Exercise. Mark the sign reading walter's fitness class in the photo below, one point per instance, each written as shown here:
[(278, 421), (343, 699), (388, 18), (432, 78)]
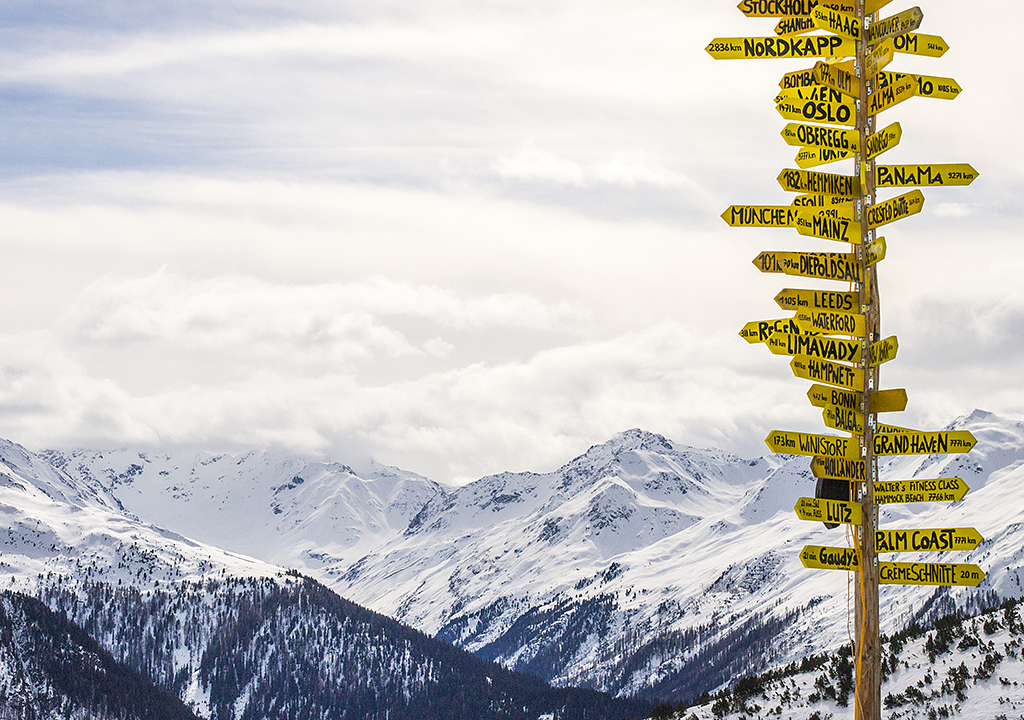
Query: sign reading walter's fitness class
[(833, 337)]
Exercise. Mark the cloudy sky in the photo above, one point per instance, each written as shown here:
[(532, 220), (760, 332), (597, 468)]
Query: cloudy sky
[(458, 237)]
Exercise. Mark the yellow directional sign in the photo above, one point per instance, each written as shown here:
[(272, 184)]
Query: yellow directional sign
[(824, 348), (818, 200), (769, 261), (840, 23), (894, 25), (881, 400), (815, 92), (924, 443), (918, 44), (785, 8), (892, 209), (927, 540), (823, 510), (798, 78), (874, 251), (795, 443), (758, 331), (760, 215), (888, 492), (794, 26), (799, 299), (883, 351), (887, 97), (885, 139), (807, 46), (937, 175), (809, 181), (819, 136), (851, 421), (951, 574), (828, 322), (827, 227), (836, 77), (824, 266), (809, 157), (837, 113), (825, 371), (878, 58), (838, 469), (820, 557), (930, 86)]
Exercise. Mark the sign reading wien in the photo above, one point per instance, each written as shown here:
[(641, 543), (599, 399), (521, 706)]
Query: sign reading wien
[(834, 104)]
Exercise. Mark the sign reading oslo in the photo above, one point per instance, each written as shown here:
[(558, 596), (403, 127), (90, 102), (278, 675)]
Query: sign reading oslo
[(824, 510), (888, 492)]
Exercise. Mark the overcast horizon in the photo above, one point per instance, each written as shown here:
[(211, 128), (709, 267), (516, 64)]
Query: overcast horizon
[(460, 238)]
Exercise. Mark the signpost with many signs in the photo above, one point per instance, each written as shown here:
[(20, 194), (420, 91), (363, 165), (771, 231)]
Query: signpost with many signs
[(834, 335)]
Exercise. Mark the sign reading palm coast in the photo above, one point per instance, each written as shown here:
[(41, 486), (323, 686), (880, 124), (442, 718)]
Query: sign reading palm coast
[(833, 114)]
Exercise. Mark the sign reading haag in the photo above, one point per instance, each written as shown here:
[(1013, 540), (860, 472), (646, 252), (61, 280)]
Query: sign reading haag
[(947, 574), (894, 25), (938, 175), (829, 322), (760, 216), (826, 371), (874, 251), (821, 557), (757, 48), (889, 492), (927, 540), (810, 181), (794, 25), (885, 98), (809, 157), (758, 331), (829, 227), (892, 209), (799, 299), (832, 511), (816, 346), (840, 23), (921, 442), (821, 136), (917, 44), (885, 139)]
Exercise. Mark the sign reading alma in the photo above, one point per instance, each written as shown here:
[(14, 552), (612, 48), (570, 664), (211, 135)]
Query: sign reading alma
[(924, 443), (800, 299), (924, 175), (756, 48), (824, 510), (887, 97), (796, 443), (890, 573), (821, 557), (809, 181), (881, 400), (826, 371), (927, 540), (888, 492)]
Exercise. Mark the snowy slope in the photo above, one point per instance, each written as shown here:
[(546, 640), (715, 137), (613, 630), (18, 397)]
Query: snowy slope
[(623, 570)]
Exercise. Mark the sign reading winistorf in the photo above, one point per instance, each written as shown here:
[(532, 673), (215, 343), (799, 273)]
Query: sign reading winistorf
[(796, 443)]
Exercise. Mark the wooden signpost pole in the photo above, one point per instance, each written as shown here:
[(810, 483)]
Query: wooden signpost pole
[(868, 647)]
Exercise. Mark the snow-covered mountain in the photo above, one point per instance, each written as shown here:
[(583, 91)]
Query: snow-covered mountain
[(641, 566)]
